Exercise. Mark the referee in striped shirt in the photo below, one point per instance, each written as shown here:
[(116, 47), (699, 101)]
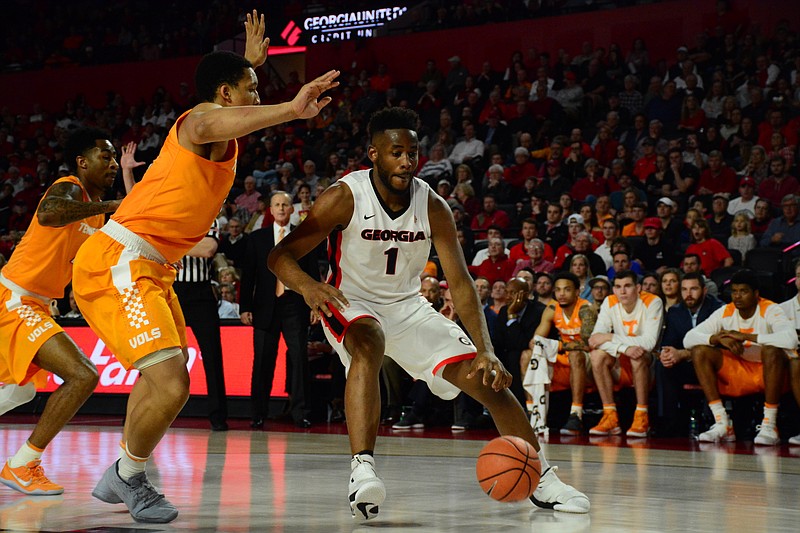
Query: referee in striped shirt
[(199, 304)]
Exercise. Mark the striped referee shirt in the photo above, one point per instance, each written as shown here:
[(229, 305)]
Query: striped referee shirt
[(198, 269)]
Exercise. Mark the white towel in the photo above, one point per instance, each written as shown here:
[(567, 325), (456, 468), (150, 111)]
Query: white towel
[(536, 380)]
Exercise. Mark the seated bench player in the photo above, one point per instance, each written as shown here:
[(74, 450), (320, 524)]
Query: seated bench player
[(628, 327), (743, 348), (574, 318)]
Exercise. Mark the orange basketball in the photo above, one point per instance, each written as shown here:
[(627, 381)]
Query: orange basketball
[(508, 469)]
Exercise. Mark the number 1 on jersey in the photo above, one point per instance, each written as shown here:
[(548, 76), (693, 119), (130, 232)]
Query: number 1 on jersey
[(391, 260)]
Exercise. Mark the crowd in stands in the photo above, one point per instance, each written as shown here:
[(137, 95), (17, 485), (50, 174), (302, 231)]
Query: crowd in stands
[(596, 163)]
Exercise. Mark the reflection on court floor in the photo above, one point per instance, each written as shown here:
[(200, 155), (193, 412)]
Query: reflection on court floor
[(275, 481)]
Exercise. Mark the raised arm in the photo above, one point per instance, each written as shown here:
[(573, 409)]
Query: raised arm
[(128, 162), (63, 204), (332, 210), (210, 122), (256, 45)]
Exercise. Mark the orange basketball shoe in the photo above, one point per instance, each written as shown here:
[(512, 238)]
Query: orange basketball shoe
[(29, 479), (640, 426), (608, 425)]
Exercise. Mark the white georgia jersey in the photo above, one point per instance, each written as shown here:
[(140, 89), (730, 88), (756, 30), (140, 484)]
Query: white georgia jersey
[(380, 255), (770, 324)]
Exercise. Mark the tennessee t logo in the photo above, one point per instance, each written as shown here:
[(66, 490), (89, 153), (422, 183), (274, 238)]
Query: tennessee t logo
[(631, 325)]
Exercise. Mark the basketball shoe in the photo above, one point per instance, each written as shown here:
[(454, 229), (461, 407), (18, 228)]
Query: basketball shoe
[(144, 502), (367, 490), (552, 493), (12, 396), (608, 425), (409, 420), (574, 425), (795, 441), (29, 479), (719, 432), (767, 435), (640, 425)]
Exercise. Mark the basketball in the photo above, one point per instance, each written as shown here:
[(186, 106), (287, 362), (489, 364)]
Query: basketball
[(508, 469)]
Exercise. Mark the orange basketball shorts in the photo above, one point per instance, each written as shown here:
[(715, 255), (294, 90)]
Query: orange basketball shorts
[(25, 325), (125, 294), (739, 377)]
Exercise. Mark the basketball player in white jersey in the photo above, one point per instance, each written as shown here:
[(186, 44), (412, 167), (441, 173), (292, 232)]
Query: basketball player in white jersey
[(381, 224)]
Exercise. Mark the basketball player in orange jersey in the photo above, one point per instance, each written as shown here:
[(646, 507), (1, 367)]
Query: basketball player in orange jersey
[(124, 274), (33, 344), (574, 318), (382, 223)]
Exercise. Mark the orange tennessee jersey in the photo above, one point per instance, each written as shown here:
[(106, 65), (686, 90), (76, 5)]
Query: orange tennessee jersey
[(569, 327), (42, 261), (178, 198)]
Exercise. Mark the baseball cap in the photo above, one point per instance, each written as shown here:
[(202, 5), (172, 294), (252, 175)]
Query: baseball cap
[(455, 59), (652, 222), (747, 180), (575, 219), (597, 279), (443, 182), (682, 49), (720, 195), (666, 201), (63, 168)]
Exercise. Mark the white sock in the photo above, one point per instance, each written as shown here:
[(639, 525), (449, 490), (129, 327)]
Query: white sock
[(545, 464), (130, 465), (25, 455), (770, 416), (577, 409), (720, 415)]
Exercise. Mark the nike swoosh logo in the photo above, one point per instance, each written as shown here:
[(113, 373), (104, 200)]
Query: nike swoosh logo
[(368, 217), (366, 510), (23, 483)]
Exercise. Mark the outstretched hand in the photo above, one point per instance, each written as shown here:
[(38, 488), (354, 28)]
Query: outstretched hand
[(308, 103), (256, 45), (128, 160)]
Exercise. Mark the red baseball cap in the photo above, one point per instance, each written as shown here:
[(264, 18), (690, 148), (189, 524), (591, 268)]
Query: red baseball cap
[(652, 222)]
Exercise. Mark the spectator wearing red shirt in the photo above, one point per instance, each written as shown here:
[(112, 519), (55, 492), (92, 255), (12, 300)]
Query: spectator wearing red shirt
[(592, 185), (646, 165), (381, 82), (605, 151), (490, 216), (718, 177), (497, 267), (522, 169), (575, 225), (775, 124), (712, 253), (779, 183), (529, 232)]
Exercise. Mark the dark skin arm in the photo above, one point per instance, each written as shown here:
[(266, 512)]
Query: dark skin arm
[(332, 210), (63, 204), (465, 298), (588, 318)]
